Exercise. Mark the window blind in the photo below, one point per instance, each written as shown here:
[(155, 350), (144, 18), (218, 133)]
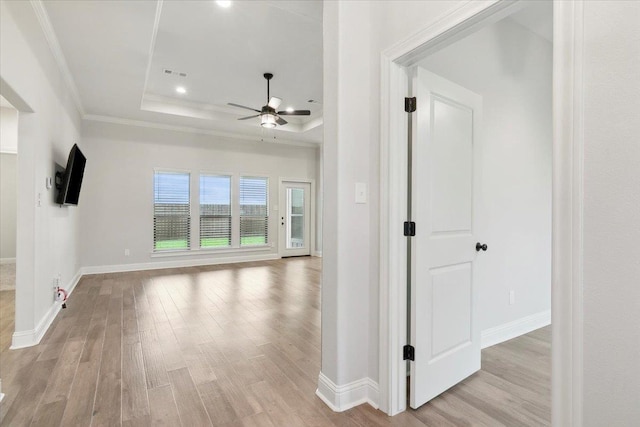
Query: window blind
[(254, 211), (171, 211), (215, 211)]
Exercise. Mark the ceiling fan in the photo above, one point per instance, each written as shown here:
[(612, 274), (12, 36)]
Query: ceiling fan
[(269, 116)]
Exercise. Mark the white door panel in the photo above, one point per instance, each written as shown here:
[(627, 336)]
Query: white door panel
[(451, 166), (446, 183), (451, 308)]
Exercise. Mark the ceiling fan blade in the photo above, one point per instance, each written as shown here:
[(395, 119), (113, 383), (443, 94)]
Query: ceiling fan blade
[(294, 113), (242, 106), (250, 117), (274, 102), (281, 121)]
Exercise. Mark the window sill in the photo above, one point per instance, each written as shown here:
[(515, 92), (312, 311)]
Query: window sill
[(196, 252)]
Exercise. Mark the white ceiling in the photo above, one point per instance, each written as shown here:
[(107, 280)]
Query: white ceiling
[(537, 17), (117, 52)]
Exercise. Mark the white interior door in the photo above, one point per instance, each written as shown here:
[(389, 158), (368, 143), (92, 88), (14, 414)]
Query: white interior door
[(446, 182), (295, 219)]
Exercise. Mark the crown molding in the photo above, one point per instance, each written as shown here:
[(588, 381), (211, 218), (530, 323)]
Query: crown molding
[(198, 131), (56, 51)]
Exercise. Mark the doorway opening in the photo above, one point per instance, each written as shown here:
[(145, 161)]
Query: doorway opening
[(481, 192), (396, 74)]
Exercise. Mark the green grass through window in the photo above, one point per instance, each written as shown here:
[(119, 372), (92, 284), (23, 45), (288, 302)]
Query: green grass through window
[(172, 244), (214, 242), (252, 240), (210, 242)]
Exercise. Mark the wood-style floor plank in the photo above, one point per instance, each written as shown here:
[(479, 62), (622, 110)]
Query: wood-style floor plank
[(227, 345), (163, 407), (135, 401), (190, 407)]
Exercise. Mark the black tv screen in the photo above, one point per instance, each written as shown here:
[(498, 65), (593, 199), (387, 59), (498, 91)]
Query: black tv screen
[(72, 178)]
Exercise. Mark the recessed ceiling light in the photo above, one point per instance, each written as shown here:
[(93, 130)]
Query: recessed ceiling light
[(290, 110), (224, 3), (181, 89)]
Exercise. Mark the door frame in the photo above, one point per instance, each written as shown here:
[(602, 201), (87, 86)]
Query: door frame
[(567, 199), (312, 213)]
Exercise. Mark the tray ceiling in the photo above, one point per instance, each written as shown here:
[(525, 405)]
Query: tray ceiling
[(117, 53)]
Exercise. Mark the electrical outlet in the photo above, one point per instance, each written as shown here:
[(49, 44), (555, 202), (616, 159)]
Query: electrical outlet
[(512, 297), (127, 252)]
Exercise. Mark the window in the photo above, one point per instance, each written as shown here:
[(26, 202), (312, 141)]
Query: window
[(233, 212), (171, 211), (254, 211), (215, 211)]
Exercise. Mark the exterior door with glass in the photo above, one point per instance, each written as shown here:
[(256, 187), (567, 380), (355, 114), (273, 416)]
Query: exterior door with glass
[(295, 202)]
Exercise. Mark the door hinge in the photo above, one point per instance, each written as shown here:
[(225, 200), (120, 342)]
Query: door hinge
[(408, 353), (410, 104), (409, 228)]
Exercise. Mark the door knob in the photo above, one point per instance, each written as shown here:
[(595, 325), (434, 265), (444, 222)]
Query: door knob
[(481, 247)]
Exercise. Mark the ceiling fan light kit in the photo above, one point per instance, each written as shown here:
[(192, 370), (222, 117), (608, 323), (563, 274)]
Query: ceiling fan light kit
[(269, 117), (268, 121)]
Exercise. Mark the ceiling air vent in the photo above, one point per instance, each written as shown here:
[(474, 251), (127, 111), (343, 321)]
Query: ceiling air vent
[(167, 71)]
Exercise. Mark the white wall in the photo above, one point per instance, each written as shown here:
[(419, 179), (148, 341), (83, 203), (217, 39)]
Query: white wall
[(8, 130), (612, 213), (117, 192), (513, 76), (8, 206), (8, 184), (47, 235), (355, 33), (347, 237)]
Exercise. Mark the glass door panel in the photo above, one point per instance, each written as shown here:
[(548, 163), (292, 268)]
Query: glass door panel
[(295, 219)]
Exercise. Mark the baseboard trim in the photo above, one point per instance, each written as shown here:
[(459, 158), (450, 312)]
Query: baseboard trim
[(344, 397), (317, 253), (524, 325), (4, 261), (177, 263), (32, 337)]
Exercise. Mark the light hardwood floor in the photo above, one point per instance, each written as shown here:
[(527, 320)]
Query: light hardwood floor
[(233, 345)]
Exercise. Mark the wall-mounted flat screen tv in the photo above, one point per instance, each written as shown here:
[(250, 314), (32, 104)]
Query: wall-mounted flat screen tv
[(70, 181)]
